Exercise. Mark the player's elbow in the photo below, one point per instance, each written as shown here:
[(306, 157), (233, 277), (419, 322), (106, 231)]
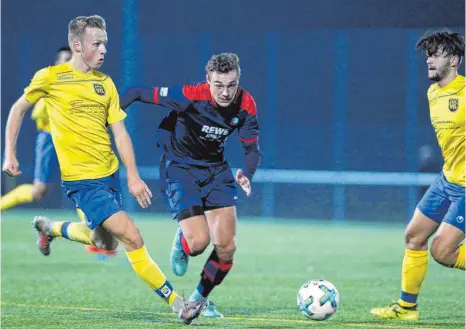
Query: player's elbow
[(21, 106)]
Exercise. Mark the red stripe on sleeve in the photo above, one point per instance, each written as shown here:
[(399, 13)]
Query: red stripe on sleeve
[(200, 92), (248, 104), (249, 140), (156, 95)]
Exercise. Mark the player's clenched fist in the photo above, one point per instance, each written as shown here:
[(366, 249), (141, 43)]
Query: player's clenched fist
[(11, 166), (140, 191), (244, 182)]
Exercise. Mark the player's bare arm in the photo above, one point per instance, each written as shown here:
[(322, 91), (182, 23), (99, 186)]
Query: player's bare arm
[(136, 185), (13, 125)]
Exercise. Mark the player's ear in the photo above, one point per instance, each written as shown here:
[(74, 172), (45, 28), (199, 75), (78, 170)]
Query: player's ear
[(455, 61), (207, 78), (77, 45)]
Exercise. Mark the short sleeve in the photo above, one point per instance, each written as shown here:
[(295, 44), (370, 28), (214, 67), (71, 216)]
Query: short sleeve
[(39, 86), (115, 113)]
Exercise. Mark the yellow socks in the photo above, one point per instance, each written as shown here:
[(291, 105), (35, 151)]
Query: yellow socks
[(413, 272), (148, 271), (72, 231), (81, 215), (460, 260), (19, 195)]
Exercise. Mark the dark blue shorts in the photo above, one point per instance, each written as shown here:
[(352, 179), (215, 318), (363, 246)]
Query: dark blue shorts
[(45, 158), (186, 186), (97, 198), (444, 202)]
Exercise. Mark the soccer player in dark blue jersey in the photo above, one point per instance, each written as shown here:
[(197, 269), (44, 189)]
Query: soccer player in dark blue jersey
[(198, 183)]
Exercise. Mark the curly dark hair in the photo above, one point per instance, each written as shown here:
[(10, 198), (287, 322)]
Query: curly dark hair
[(451, 43), (223, 63)]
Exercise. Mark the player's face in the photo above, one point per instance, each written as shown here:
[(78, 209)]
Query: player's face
[(223, 87), (63, 57), (93, 48), (438, 65)]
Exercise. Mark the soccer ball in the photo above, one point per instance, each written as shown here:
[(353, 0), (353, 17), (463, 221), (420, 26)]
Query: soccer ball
[(318, 299)]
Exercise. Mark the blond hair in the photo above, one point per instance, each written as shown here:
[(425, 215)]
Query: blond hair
[(78, 25)]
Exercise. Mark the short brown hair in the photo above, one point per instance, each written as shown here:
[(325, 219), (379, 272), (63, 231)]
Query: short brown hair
[(78, 25), (223, 63)]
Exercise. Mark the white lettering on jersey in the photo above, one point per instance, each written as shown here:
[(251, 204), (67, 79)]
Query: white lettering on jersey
[(214, 133)]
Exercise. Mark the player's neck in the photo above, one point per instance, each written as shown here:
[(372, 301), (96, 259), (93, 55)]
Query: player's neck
[(447, 79), (79, 65)]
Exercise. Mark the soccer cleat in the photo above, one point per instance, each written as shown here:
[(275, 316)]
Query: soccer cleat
[(395, 311), (93, 249), (179, 260), (190, 310), (43, 226), (211, 311)]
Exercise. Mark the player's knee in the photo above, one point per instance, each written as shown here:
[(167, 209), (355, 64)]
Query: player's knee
[(38, 191), (441, 251), (198, 243), (226, 251), (132, 241), (414, 241)]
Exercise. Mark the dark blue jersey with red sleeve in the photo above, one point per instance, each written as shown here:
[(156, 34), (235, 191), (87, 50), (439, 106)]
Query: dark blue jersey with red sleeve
[(198, 128)]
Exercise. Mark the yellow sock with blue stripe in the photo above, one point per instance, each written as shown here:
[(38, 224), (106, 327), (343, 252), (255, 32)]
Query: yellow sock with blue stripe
[(460, 260), (78, 232), (19, 195), (150, 273), (413, 272)]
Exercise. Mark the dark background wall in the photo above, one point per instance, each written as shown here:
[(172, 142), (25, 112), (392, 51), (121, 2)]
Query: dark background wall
[(338, 84)]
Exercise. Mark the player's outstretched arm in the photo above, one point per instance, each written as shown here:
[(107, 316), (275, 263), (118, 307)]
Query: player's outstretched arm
[(13, 125), (136, 185), (136, 94), (173, 98)]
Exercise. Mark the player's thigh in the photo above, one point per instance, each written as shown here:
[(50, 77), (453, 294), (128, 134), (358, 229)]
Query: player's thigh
[(221, 191), (435, 202), (181, 191), (427, 217), (99, 198), (447, 240), (451, 231), (222, 225)]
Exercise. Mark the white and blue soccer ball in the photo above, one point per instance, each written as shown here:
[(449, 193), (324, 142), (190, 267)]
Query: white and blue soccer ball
[(318, 299)]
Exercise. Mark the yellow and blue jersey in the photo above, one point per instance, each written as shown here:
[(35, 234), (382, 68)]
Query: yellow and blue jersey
[(80, 106), (447, 116)]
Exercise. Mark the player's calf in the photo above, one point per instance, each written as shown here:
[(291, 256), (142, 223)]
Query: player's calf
[(39, 190), (103, 240)]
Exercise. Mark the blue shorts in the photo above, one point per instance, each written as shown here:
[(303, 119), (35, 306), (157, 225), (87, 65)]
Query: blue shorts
[(98, 198), (444, 202), (186, 186), (45, 158)]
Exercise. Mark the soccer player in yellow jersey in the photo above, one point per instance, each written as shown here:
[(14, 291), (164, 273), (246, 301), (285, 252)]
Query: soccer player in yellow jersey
[(442, 209), (82, 102), (45, 168), (45, 157)]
